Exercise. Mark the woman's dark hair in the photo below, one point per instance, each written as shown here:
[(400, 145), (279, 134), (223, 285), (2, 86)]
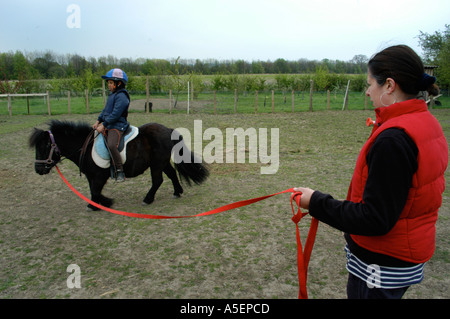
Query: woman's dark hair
[(405, 67)]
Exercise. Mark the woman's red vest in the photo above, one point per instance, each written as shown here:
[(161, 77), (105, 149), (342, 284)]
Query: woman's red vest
[(412, 238)]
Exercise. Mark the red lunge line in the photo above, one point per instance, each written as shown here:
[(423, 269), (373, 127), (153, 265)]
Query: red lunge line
[(302, 257)]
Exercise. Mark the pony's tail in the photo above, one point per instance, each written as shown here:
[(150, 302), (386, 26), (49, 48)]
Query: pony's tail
[(189, 167)]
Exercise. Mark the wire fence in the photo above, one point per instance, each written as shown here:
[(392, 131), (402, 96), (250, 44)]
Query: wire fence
[(208, 102), (212, 102)]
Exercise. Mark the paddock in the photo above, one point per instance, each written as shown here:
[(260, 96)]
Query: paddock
[(249, 252)]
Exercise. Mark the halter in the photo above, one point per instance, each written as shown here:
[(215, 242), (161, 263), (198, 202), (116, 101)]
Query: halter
[(54, 149)]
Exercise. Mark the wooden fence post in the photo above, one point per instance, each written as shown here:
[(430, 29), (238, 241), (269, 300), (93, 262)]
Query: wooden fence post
[(147, 92), (345, 106), (48, 103), (292, 98), (256, 102), (170, 101), (273, 101), (87, 100), (9, 105), (68, 101), (214, 102), (311, 95), (103, 92), (328, 100), (235, 100)]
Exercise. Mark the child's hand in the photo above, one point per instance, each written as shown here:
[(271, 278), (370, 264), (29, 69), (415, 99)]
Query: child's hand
[(100, 128)]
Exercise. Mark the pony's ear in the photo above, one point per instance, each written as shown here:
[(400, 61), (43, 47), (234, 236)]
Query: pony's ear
[(35, 136)]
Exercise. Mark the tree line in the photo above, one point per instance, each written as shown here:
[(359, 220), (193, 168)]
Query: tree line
[(16, 68), (50, 65)]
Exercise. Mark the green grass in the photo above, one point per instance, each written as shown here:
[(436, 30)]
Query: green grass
[(58, 105)]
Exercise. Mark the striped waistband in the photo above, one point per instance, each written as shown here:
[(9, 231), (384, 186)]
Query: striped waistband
[(381, 276)]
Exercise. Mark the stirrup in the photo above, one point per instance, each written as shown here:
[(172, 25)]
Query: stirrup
[(120, 176)]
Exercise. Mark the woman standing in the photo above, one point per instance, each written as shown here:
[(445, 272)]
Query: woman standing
[(396, 190)]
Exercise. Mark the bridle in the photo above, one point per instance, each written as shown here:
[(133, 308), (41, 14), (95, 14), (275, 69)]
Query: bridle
[(49, 162)]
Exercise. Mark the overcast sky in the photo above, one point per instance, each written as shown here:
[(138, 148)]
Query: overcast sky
[(218, 29)]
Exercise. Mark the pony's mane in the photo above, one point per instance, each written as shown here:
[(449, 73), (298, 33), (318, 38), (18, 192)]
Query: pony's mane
[(35, 137), (68, 129)]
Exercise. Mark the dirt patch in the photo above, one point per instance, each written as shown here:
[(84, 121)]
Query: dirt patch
[(164, 104), (245, 253)]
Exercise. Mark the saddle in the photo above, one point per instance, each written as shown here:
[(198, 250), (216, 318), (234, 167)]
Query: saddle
[(100, 153)]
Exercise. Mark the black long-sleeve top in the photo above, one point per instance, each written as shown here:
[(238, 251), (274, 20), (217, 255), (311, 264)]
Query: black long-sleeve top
[(392, 162)]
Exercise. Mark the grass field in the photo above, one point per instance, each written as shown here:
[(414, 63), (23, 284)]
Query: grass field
[(247, 102), (249, 252)]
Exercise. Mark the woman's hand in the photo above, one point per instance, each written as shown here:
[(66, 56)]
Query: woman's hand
[(306, 196)]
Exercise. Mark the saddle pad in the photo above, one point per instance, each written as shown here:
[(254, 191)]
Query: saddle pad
[(100, 153)]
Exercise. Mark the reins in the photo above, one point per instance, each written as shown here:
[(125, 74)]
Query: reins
[(303, 257), (84, 148), (90, 139)]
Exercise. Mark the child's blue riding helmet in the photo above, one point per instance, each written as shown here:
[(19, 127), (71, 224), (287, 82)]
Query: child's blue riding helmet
[(116, 75)]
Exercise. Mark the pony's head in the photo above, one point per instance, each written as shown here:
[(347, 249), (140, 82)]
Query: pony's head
[(70, 137), (47, 152)]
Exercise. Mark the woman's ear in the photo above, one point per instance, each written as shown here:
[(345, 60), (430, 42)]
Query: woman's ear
[(390, 85)]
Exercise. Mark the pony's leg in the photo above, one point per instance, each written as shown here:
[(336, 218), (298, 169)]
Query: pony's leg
[(157, 179), (172, 174), (96, 186)]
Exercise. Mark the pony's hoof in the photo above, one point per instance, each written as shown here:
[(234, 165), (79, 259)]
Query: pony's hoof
[(175, 196), (91, 208), (144, 203)]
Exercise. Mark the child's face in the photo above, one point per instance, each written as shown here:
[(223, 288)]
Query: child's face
[(111, 85)]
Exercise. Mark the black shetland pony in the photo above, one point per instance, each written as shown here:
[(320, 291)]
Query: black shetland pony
[(151, 148)]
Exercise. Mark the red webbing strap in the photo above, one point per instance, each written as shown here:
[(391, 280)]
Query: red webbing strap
[(149, 216), (302, 257)]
